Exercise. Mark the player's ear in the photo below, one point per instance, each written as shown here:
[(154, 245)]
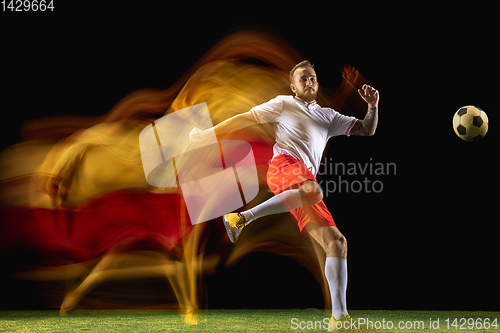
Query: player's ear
[(292, 86)]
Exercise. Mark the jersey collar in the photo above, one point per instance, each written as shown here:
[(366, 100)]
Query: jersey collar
[(300, 100)]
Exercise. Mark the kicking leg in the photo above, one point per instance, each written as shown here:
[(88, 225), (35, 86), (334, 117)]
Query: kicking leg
[(308, 194), (335, 246)]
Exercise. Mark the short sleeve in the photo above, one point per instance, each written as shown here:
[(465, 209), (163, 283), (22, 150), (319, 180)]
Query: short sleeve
[(268, 112), (341, 124)]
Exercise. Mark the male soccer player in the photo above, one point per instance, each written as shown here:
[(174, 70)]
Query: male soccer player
[(302, 130)]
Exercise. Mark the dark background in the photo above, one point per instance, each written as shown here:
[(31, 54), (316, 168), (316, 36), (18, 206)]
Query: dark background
[(428, 240)]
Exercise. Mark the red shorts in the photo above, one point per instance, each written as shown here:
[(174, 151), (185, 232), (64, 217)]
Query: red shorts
[(286, 172)]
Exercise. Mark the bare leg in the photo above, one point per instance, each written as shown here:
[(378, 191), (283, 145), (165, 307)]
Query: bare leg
[(329, 238)]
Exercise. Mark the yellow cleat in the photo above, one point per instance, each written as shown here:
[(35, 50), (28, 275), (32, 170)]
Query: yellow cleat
[(344, 323), (234, 222)]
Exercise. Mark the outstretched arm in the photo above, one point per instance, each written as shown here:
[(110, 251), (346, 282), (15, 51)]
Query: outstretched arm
[(235, 123), (368, 125), (232, 124)]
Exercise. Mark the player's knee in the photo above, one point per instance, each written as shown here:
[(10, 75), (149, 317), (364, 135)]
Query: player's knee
[(310, 193), (341, 241), (337, 246)]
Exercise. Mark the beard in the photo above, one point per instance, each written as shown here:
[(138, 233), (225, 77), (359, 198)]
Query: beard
[(308, 94)]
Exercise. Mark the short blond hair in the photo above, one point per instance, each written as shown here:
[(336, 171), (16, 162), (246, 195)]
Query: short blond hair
[(302, 64)]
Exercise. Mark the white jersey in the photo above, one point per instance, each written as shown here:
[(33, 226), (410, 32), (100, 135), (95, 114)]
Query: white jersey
[(302, 129)]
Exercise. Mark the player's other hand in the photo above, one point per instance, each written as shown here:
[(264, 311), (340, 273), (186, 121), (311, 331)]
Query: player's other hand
[(370, 95), (197, 135)]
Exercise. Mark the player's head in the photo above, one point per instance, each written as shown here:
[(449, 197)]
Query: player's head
[(303, 81)]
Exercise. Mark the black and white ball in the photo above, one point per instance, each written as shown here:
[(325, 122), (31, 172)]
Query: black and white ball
[(470, 123)]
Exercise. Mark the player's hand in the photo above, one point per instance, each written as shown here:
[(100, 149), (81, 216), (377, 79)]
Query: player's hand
[(197, 135), (370, 95)]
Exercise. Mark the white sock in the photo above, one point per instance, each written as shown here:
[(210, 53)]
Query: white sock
[(336, 275), (281, 203)]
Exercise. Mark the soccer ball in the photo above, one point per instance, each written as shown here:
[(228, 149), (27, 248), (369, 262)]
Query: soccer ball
[(470, 123)]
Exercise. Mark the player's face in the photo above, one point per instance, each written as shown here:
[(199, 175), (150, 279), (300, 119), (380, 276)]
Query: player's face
[(305, 84)]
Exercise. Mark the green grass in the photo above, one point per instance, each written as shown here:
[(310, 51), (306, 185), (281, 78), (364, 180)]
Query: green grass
[(220, 321)]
